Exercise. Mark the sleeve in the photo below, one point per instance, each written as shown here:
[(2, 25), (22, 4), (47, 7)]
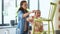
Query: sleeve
[(18, 25), (20, 14), (20, 22)]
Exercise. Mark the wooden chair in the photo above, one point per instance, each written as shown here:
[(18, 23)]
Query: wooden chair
[(50, 18)]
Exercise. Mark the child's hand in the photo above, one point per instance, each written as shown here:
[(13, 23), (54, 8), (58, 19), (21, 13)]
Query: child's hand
[(31, 19)]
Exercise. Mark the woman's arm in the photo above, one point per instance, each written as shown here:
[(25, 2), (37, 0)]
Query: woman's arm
[(26, 14), (22, 15)]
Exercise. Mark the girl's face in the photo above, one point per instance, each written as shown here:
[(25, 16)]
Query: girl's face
[(24, 5), (38, 14)]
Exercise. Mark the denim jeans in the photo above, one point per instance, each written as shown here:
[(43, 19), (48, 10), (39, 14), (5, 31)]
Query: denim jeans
[(18, 32)]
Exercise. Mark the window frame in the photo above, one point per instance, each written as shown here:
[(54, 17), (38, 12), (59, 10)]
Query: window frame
[(3, 15)]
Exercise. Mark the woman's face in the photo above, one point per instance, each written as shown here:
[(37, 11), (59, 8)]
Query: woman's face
[(24, 5)]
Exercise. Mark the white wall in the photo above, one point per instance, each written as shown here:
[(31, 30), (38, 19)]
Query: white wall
[(57, 22), (8, 31)]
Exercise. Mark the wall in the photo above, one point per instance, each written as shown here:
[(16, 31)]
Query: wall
[(57, 17), (8, 31)]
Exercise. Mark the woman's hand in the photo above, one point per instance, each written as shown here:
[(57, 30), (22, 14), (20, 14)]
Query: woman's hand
[(26, 14), (31, 12)]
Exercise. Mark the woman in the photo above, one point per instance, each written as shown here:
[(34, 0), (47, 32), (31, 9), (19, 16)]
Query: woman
[(22, 15)]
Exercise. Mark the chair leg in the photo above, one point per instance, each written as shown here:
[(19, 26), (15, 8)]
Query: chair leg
[(48, 27), (52, 26)]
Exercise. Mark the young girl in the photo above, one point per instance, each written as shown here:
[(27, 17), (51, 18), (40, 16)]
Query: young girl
[(38, 25)]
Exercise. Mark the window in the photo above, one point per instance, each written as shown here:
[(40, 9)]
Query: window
[(33, 5), (44, 7), (9, 11), (0, 11)]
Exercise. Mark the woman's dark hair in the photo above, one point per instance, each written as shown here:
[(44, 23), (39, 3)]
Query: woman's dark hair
[(21, 8)]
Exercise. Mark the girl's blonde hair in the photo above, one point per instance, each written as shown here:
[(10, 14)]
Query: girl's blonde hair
[(37, 11)]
